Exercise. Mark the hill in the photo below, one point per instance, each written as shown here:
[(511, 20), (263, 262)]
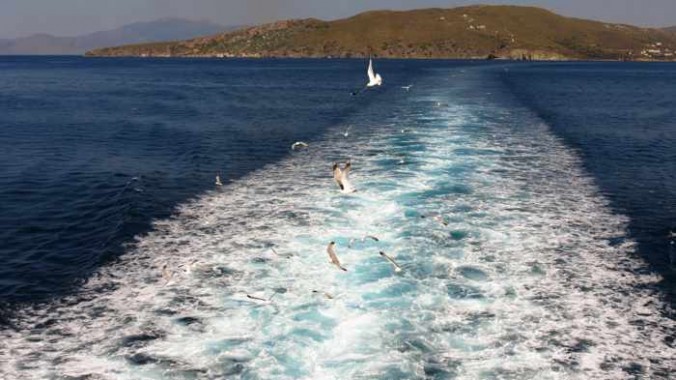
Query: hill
[(671, 29), (464, 32), (140, 32)]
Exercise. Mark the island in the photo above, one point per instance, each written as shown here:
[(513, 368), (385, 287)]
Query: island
[(472, 32)]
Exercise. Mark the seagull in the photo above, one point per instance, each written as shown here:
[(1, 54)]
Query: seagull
[(407, 88), (437, 218), (341, 177), (363, 240), (269, 300), (287, 256), (218, 180), (327, 295), (374, 79), (299, 144), (396, 266), (332, 255), (188, 267), (166, 274), (347, 131)]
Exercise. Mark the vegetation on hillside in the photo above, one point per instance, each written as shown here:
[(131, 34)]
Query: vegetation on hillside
[(465, 32)]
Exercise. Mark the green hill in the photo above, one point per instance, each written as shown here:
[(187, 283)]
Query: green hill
[(465, 32)]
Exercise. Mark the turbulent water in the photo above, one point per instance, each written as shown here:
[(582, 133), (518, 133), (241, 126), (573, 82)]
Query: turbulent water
[(518, 262)]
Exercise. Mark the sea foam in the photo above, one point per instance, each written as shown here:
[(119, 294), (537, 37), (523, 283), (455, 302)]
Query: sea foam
[(519, 281)]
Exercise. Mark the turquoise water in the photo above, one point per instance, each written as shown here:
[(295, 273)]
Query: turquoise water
[(516, 264)]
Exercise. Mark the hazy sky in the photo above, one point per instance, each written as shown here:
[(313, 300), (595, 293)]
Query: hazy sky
[(72, 17)]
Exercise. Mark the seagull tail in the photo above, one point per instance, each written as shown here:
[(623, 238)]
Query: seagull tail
[(343, 269)]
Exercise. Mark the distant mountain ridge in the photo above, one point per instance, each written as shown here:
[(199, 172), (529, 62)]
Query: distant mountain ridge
[(463, 32), (141, 32)]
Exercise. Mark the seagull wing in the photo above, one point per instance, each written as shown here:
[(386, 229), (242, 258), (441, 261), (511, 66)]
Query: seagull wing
[(347, 168), (370, 73), (343, 180), (397, 268), (333, 257), (338, 175)]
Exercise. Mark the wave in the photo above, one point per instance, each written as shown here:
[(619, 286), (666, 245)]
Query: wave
[(514, 265)]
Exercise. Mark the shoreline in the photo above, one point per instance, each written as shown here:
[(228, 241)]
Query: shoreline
[(212, 57)]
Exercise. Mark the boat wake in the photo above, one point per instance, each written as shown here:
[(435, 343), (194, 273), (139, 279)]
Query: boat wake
[(529, 274)]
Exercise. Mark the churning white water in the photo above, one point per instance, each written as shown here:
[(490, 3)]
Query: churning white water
[(514, 266)]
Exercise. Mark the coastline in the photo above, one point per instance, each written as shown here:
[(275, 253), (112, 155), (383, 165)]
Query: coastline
[(289, 57)]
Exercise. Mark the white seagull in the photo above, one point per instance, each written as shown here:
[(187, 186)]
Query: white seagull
[(167, 274), (363, 240), (299, 144), (327, 295), (407, 87), (218, 180), (396, 266), (332, 255), (374, 79), (341, 177)]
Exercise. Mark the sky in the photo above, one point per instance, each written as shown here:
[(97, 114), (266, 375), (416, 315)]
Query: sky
[(74, 17)]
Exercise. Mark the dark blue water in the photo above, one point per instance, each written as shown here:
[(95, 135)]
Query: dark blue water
[(621, 117), (534, 179), (92, 150)]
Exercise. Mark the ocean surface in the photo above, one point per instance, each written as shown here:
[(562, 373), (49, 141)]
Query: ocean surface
[(529, 206)]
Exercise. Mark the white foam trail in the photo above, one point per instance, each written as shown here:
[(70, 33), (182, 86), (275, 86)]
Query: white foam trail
[(522, 283)]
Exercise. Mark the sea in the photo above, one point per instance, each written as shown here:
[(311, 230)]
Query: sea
[(530, 208)]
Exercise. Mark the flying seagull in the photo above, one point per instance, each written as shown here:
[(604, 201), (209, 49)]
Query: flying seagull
[(332, 255), (287, 256), (188, 267), (218, 180), (256, 298), (167, 274), (374, 79), (347, 131), (437, 218), (299, 144), (441, 220), (340, 175), (363, 240), (407, 88), (327, 295), (396, 266)]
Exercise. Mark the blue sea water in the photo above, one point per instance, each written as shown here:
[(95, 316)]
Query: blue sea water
[(529, 205)]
